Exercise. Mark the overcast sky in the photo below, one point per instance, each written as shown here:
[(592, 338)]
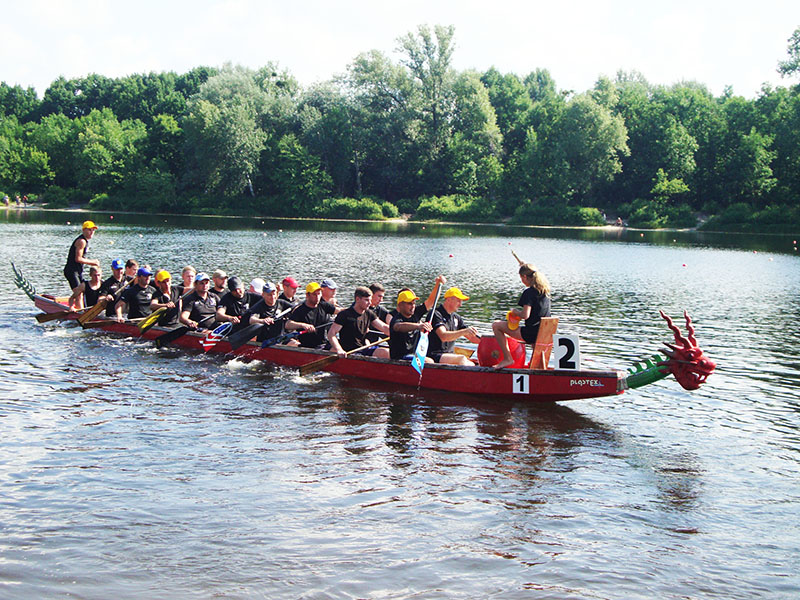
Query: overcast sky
[(714, 42)]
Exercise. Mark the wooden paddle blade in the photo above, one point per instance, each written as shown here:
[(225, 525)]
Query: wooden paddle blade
[(318, 364), (244, 335), (90, 314), (152, 319), (171, 336), (47, 317), (468, 352)]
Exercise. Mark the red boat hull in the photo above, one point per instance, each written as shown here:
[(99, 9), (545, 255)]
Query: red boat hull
[(517, 384)]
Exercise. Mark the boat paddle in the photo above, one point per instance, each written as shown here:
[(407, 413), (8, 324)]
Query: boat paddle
[(171, 335), (285, 337), (212, 337), (248, 332), (95, 310), (418, 359), (54, 316), (151, 320), (323, 362)]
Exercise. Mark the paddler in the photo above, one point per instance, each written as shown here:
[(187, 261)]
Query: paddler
[(234, 304), (113, 284), (448, 326), (219, 278), (310, 317), (289, 293), (328, 287), (265, 311), (135, 300), (407, 322), (199, 308), (188, 274), (88, 292), (167, 296), (534, 303), (352, 325), (76, 257), (131, 267)]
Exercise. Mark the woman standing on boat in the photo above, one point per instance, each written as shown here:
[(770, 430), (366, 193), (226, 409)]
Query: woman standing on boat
[(534, 303), (76, 258)]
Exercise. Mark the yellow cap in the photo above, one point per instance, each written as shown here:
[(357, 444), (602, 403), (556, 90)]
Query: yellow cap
[(162, 275), (312, 287), (406, 296), (454, 291), (89, 225)]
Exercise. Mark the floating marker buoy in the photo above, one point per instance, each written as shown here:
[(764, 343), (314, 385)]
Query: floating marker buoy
[(451, 256), (68, 223), (110, 242), (111, 217), (641, 235), (684, 264)]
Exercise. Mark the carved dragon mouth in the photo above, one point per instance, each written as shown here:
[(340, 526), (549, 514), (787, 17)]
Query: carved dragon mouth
[(687, 363)]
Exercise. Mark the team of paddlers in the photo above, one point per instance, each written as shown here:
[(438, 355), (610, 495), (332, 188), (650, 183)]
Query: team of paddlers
[(200, 302)]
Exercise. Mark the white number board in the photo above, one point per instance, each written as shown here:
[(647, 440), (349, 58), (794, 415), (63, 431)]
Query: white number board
[(520, 383), (567, 350)]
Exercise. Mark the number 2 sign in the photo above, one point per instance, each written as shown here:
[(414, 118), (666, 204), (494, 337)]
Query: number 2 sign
[(568, 351)]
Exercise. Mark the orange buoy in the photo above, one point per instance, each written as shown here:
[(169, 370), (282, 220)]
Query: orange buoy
[(489, 352)]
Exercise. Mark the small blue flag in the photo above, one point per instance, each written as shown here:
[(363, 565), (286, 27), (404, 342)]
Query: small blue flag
[(418, 361)]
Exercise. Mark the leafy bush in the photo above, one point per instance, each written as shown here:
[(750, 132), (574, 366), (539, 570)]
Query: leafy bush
[(349, 208), (456, 208), (58, 197), (775, 218), (389, 210), (536, 213)]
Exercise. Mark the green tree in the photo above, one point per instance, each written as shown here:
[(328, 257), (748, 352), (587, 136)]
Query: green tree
[(791, 66), (23, 168), (223, 139)]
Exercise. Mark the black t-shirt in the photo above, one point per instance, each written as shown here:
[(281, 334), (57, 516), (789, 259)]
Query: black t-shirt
[(540, 307), (262, 310), (201, 311), (138, 300), (169, 318), (401, 343), (318, 316), (293, 301), (111, 286), (219, 294), (451, 322), (380, 312), (234, 307), (353, 333)]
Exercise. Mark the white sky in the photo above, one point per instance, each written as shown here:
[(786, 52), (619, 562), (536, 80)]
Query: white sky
[(714, 42)]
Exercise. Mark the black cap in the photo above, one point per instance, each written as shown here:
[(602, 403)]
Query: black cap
[(235, 283)]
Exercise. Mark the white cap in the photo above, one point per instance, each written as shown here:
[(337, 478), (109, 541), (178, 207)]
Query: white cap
[(257, 284)]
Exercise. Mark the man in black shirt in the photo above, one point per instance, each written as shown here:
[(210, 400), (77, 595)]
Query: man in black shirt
[(167, 296), (265, 312), (218, 278), (289, 292), (234, 304), (199, 310), (408, 320), (448, 326), (352, 325), (137, 297), (113, 284), (311, 317)]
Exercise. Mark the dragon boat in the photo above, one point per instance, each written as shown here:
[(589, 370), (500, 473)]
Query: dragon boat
[(682, 359)]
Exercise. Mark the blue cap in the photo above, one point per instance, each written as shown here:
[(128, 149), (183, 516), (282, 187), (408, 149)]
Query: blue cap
[(144, 271), (117, 263), (329, 283), (269, 287), (201, 277)]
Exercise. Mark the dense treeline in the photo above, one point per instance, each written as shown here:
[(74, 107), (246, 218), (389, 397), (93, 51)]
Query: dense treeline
[(411, 136)]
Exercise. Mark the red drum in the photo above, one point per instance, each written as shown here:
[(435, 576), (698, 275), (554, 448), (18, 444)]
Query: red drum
[(489, 352)]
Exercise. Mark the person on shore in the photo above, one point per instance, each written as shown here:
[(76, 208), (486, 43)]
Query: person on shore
[(350, 327), (199, 308), (135, 300), (77, 256), (289, 293), (219, 278), (113, 285), (89, 292), (448, 326), (408, 323), (187, 280), (234, 304), (265, 312), (310, 317), (534, 303), (167, 296)]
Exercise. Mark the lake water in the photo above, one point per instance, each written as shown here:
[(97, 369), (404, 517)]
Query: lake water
[(127, 471)]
